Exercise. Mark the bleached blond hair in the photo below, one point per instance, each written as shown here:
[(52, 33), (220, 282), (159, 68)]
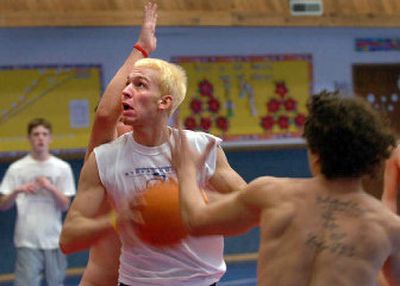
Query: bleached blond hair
[(173, 79)]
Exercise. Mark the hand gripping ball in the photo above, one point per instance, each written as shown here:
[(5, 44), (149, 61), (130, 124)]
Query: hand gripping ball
[(163, 224)]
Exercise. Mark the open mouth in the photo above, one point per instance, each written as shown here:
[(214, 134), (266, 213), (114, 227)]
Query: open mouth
[(126, 106)]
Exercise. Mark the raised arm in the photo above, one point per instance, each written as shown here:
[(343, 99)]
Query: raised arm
[(82, 226), (392, 180), (109, 109)]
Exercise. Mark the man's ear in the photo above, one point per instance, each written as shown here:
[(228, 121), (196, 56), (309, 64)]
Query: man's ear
[(165, 102), (314, 162)]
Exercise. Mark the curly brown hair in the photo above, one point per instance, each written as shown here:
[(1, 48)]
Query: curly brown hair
[(350, 137)]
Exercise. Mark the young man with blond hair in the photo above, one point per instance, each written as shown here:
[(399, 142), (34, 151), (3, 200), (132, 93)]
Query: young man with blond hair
[(122, 169)]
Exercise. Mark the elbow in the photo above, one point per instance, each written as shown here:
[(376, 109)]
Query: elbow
[(65, 245), (4, 204), (104, 114), (103, 117), (67, 242), (4, 207), (65, 205), (67, 249), (64, 249)]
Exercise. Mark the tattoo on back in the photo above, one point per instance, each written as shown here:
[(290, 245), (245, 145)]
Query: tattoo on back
[(333, 237)]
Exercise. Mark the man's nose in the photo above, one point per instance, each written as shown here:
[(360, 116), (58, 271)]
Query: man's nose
[(127, 92)]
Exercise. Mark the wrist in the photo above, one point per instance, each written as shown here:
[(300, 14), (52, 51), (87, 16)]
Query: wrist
[(141, 49), (17, 191), (186, 173)]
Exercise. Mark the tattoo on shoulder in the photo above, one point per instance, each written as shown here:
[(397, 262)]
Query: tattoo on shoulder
[(333, 237)]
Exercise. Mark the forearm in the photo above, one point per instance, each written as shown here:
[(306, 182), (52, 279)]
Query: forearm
[(81, 233), (223, 216), (110, 105), (7, 201), (109, 109), (190, 196), (62, 201)]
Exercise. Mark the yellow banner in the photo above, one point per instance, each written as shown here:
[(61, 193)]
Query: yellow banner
[(64, 95), (247, 97)]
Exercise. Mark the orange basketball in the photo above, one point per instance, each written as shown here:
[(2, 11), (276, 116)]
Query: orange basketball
[(163, 224)]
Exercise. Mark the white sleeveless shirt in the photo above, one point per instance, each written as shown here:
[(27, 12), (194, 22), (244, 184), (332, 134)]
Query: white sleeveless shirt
[(125, 168)]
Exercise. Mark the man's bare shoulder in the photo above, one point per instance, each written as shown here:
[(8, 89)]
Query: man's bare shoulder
[(272, 184), (277, 180), (388, 217), (373, 204), (273, 189)]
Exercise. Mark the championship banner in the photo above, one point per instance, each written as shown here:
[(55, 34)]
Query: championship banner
[(64, 95), (247, 99)]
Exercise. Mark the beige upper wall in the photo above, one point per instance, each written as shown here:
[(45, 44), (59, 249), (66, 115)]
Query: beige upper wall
[(347, 13)]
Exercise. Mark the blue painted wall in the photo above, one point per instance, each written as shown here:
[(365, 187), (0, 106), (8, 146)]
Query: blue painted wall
[(332, 48)]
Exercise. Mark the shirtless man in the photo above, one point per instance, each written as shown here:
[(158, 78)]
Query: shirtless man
[(323, 230), (102, 267), (391, 181)]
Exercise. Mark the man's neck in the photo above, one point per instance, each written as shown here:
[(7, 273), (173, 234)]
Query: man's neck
[(342, 185), (151, 136), (40, 156)]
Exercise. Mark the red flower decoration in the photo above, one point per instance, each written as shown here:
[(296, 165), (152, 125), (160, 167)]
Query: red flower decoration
[(196, 105), (300, 119), (190, 123), (290, 104), (273, 105), (213, 105), (267, 122), (206, 88), (281, 89), (222, 123), (283, 122), (205, 123)]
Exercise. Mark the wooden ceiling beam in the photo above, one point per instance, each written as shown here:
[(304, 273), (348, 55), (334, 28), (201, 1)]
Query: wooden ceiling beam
[(57, 13), (193, 18)]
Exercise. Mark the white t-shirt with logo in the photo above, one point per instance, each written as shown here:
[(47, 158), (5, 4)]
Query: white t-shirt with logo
[(125, 168), (38, 223)]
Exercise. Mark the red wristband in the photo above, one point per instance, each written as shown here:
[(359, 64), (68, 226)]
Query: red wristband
[(140, 49)]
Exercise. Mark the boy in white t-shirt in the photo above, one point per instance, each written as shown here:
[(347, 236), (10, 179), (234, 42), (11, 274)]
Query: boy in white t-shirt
[(41, 186)]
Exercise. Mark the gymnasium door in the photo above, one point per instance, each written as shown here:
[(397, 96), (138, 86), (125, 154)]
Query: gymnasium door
[(380, 85)]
